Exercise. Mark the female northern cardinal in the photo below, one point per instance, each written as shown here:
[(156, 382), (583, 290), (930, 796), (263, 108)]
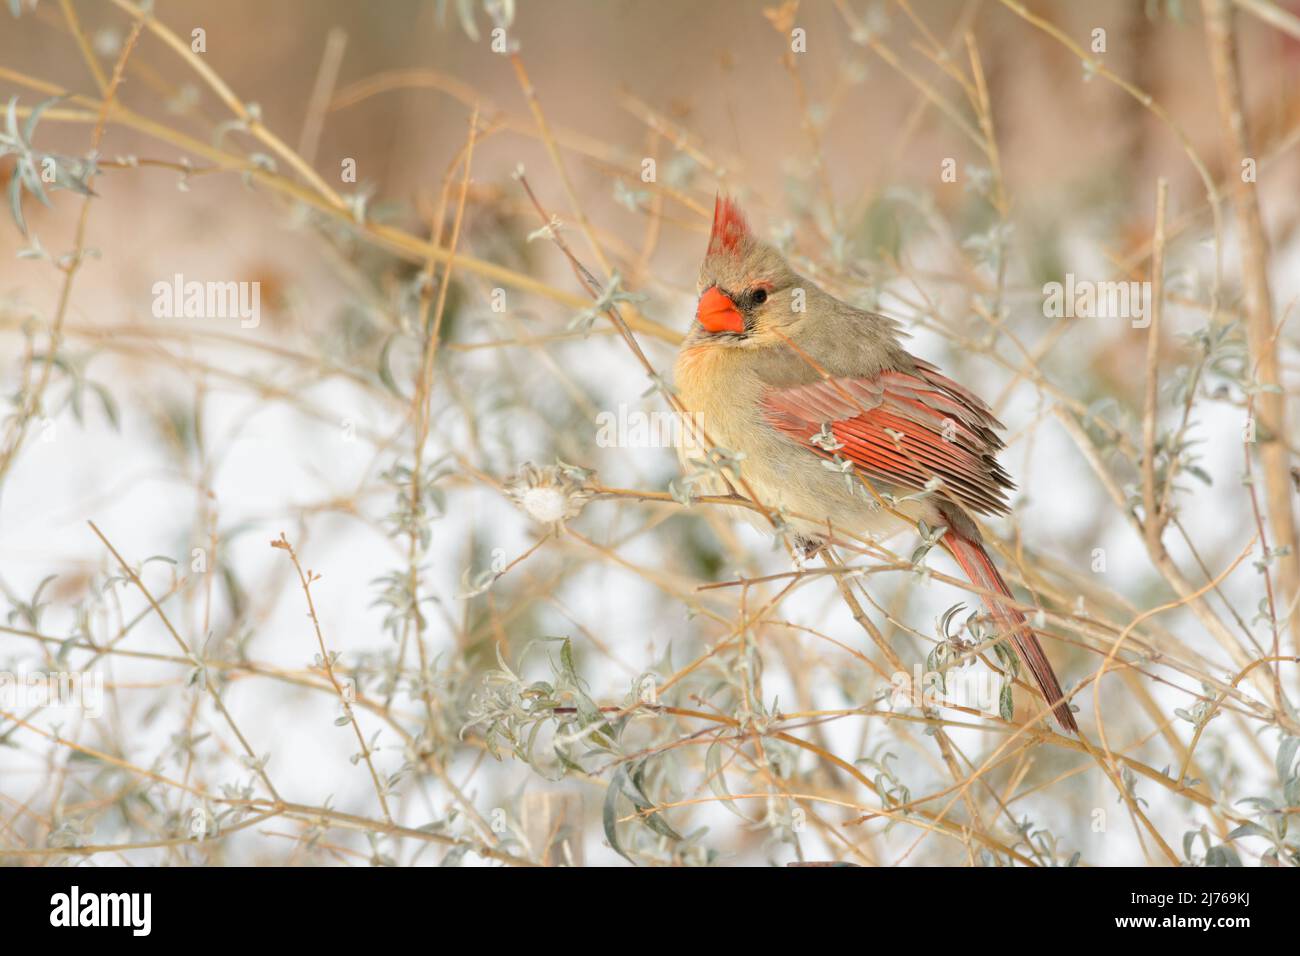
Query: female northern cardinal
[(812, 391)]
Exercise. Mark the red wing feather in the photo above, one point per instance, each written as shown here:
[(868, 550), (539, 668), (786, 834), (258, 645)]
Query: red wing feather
[(903, 428)]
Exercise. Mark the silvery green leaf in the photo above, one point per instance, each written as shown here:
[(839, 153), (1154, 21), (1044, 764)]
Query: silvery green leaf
[(30, 126), (655, 820), (229, 126), (1008, 659), (1260, 803), (11, 121), (33, 250), (717, 782), (1006, 703), (385, 368), (1286, 757), (502, 11), (16, 203), (465, 13), (683, 496), (627, 197), (576, 472), (945, 622), (609, 813), (1249, 829), (565, 761), (566, 660), (1222, 855)]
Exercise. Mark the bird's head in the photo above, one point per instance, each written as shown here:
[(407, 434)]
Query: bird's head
[(747, 291)]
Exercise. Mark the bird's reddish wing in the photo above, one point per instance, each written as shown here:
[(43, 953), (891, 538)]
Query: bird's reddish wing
[(902, 428)]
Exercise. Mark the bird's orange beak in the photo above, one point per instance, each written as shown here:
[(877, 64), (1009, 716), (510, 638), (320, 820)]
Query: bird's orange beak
[(717, 313)]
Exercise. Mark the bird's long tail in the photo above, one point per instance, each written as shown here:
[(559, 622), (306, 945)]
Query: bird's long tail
[(979, 567)]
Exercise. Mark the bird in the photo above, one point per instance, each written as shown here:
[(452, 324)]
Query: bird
[(823, 417)]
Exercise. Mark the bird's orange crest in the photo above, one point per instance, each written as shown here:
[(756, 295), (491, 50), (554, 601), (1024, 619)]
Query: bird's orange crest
[(729, 227)]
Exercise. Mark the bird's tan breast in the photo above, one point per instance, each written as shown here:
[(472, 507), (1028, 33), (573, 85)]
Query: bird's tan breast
[(724, 388), (715, 384)]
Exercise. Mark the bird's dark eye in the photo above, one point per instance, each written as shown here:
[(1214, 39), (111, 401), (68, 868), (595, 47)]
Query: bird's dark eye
[(758, 296)]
